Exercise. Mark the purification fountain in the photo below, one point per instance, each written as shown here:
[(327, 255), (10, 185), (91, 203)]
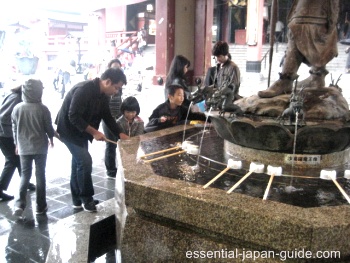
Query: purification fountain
[(176, 214)]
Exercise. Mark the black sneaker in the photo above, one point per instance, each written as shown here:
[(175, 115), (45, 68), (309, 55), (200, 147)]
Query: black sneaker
[(31, 187), (79, 206), (5, 197), (40, 212), (90, 207)]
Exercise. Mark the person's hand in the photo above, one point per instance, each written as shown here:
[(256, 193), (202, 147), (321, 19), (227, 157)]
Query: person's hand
[(99, 136), (123, 136), (163, 119), (57, 135)]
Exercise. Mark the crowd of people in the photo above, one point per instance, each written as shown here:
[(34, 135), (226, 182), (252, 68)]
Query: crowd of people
[(27, 131), (26, 126), (25, 138)]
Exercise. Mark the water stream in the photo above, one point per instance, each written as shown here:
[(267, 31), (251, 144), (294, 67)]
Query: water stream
[(184, 132), (196, 168), (290, 187), (295, 138)]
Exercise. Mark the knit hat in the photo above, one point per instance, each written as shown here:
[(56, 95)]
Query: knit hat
[(32, 91)]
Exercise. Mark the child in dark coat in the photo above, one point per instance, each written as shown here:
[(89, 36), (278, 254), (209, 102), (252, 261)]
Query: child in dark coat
[(172, 112)]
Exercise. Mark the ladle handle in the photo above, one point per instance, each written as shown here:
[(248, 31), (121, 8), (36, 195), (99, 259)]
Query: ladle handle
[(216, 177), (164, 156), (161, 151), (268, 187), (341, 190), (108, 140), (239, 182)]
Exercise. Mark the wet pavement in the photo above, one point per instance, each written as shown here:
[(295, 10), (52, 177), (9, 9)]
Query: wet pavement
[(28, 240)]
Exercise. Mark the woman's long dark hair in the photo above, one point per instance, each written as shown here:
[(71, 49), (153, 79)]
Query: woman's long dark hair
[(177, 69)]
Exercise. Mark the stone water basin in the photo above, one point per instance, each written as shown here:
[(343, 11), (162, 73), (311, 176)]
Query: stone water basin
[(175, 215)]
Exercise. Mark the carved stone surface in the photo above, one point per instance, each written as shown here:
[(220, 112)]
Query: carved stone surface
[(269, 135), (323, 128), (325, 103)]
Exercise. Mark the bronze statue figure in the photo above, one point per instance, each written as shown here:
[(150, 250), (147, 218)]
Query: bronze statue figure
[(312, 40)]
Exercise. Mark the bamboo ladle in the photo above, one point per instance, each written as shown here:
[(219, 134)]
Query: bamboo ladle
[(272, 171), (186, 146), (253, 168), (231, 164)]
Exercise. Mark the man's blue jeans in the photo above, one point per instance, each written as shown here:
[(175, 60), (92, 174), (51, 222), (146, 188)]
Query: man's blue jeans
[(81, 185), (26, 174)]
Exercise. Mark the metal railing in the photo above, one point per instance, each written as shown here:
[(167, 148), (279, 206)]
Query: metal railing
[(119, 39), (264, 58)]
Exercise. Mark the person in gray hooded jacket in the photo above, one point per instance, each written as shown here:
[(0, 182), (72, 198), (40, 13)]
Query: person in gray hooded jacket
[(7, 145), (32, 126)]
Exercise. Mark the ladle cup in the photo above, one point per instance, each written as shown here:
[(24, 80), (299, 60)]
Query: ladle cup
[(231, 164), (347, 174), (272, 171), (332, 175)]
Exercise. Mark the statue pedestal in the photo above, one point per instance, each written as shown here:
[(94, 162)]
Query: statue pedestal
[(270, 135)]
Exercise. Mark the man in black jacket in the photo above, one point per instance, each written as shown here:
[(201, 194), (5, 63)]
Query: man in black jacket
[(78, 120)]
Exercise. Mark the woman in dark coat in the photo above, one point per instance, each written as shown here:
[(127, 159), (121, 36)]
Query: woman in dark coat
[(176, 76)]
